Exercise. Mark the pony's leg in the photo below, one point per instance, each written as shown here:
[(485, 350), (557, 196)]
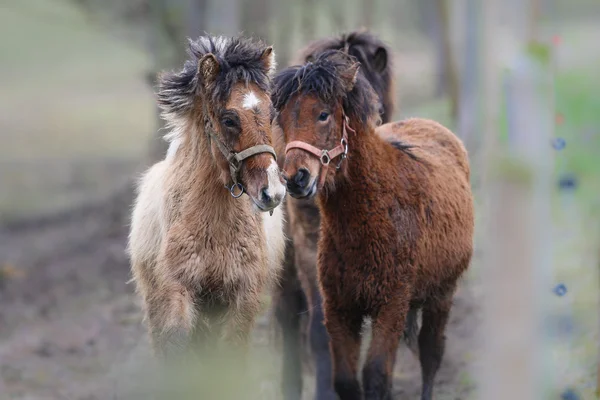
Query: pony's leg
[(344, 329), (319, 343), (289, 305), (240, 321), (318, 338), (171, 316), (432, 340), (411, 330), (388, 327)]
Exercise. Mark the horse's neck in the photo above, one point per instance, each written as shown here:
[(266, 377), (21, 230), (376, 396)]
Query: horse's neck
[(194, 160), (197, 183), (366, 160), (367, 152)]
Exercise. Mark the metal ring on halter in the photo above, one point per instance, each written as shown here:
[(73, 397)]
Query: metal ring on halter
[(232, 190), (345, 144), (325, 159), (344, 154), (339, 165)]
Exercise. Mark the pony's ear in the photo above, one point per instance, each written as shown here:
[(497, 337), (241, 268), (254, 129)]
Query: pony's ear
[(208, 69), (380, 59), (267, 58), (349, 75)]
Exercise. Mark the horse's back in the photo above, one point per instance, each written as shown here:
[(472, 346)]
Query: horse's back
[(428, 140), (445, 201)]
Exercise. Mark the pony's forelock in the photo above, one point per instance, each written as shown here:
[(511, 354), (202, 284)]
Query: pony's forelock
[(239, 61), (322, 78)]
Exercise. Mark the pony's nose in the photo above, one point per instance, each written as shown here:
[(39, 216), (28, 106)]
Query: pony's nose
[(268, 199), (265, 197), (301, 178)]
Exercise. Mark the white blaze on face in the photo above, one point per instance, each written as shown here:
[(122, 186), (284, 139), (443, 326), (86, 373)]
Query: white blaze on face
[(250, 101), (276, 189)]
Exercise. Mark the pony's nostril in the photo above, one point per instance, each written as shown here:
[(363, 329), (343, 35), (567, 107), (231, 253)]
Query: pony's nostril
[(264, 195), (301, 178)]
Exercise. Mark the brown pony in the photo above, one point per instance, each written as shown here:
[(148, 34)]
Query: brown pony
[(396, 217), (201, 252), (298, 300)]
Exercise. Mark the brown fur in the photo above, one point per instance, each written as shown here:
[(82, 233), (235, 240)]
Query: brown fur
[(200, 258), (298, 303), (396, 230)]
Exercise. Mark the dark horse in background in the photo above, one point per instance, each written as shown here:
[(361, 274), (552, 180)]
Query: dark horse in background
[(298, 303)]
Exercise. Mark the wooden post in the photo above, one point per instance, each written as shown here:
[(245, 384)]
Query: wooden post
[(517, 262)]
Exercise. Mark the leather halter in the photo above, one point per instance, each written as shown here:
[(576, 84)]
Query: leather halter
[(325, 156), (235, 159)]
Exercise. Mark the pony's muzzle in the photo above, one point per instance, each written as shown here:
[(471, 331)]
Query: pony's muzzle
[(300, 180), (270, 200), (300, 184), (271, 195)]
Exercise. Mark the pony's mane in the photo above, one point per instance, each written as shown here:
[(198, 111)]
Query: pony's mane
[(239, 61), (323, 79), (374, 57)]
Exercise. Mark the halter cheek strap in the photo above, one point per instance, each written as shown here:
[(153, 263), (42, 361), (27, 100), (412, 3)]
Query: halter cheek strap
[(235, 160), (325, 156)]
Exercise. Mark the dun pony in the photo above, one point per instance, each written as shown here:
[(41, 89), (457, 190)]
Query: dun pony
[(202, 252), (396, 218), (298, 303)]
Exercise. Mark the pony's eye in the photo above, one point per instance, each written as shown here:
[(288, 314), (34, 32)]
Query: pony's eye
[(229, 123), (323, 116)]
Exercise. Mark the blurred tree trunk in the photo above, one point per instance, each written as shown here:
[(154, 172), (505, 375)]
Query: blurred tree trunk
[(223, 17), (435, 18), (367, 13), (255, 18), (534, 20), (284, 29), (338, 15), (308, 23), (448, 63), (470, 74), (431, 24)]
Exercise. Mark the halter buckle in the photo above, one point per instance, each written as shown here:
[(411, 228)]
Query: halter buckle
[(325, 159), (234, 162), (232, 190)]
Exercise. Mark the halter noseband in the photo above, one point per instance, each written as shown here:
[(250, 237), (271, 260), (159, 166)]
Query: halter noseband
[(325, 156), (235, 159)]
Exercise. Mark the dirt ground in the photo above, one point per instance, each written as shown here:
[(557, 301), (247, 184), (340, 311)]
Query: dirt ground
[(70, 326)]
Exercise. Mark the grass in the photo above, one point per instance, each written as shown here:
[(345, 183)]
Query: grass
[(75, 107)]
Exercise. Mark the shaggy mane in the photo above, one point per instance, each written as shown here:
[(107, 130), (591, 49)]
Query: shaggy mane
[(239, 60), (365, 47), (322, 78)]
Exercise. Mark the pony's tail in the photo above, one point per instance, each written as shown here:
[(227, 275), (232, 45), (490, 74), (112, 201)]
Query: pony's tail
[(411, 331)]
